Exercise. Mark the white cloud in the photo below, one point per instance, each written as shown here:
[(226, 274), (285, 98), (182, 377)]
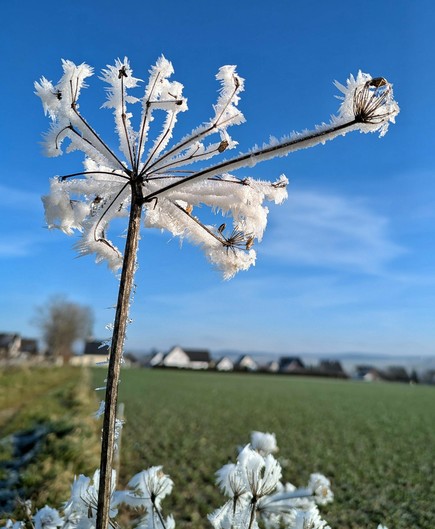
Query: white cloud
[(331, 231), (19, 199), (16, 247)]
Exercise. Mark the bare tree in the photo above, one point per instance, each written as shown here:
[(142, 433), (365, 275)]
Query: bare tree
[(62, 323)]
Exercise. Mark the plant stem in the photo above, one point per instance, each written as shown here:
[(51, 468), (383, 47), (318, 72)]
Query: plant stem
[(118, 337), (267, 153)]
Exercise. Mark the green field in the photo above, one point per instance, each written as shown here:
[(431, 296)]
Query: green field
[(376, 442)]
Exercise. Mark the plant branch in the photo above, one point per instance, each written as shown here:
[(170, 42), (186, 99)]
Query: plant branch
[(124, 117), (189, 159), (84, 173), (250, 159), (143, 124), (92, 131)]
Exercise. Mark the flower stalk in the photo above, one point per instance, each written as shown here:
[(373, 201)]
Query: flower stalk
[(116, 351)]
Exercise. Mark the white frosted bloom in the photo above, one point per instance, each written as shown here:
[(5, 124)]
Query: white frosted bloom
[(49, 97), (321, 489), (310, 519), (82, 505), (276, 518), (222, 517), (150, 488), (261, 474), (264, 443), (230, 480), (47, 518), (14, 525), (368, 100)]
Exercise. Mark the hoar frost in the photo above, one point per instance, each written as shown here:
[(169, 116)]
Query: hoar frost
[(256, 497), (163, 178)]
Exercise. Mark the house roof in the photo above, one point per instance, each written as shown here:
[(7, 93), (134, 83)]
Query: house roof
[(397, 373), (364, 369), (96, 347), (222, 358), (198, 355), (244, 360), (331, 366), (29, 345), (6, 339), (286, 361)]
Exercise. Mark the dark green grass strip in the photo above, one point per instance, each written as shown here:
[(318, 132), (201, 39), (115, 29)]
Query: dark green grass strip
[(60, 399)]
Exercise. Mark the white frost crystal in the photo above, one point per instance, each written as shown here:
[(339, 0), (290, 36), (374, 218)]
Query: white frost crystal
[(169, 186)]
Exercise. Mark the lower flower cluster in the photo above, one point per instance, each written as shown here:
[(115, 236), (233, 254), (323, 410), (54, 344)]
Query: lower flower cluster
[(256, 497)]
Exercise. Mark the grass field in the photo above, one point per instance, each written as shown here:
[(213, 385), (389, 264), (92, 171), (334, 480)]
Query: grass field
[(61, 400), (376, 442)]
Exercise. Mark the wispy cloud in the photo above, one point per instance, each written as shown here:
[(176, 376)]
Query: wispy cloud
[(19, 199), (16, 247), (328, 230)]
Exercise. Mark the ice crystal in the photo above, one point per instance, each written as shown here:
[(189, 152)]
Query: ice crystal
[(163, 178)]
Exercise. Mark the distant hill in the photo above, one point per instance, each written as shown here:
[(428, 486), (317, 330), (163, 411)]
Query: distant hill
[(348, 360)]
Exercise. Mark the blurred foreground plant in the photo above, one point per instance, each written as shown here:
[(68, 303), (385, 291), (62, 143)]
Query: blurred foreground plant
[(158, 181), (256, 497)]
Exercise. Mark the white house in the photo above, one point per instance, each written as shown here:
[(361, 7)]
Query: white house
[(10, 344), (225, 364), (246, 363), (272, 366), (186, 358), (93, 355)]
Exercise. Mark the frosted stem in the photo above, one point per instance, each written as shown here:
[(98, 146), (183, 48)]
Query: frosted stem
[(250, 159), (118, 337), (104, 149)]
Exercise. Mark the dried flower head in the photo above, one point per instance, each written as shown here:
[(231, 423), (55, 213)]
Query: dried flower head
[(370, 101), (163, 179)]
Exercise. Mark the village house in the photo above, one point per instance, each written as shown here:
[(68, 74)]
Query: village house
[(245, 363), (94, 354), (291, 364), (368, 373), (272, 366), (10, 344), (16, 349), (186, 358), (224, 364), (153, 359), (331, 368), (29, 347)]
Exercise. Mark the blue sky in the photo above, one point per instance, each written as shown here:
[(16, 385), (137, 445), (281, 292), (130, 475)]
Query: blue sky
[(346, 264)]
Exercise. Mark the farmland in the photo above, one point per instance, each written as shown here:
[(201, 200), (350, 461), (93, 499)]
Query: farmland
[(374, 441)]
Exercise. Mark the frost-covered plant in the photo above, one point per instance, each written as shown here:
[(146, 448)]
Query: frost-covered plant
[(256, 498), (164, 183)]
